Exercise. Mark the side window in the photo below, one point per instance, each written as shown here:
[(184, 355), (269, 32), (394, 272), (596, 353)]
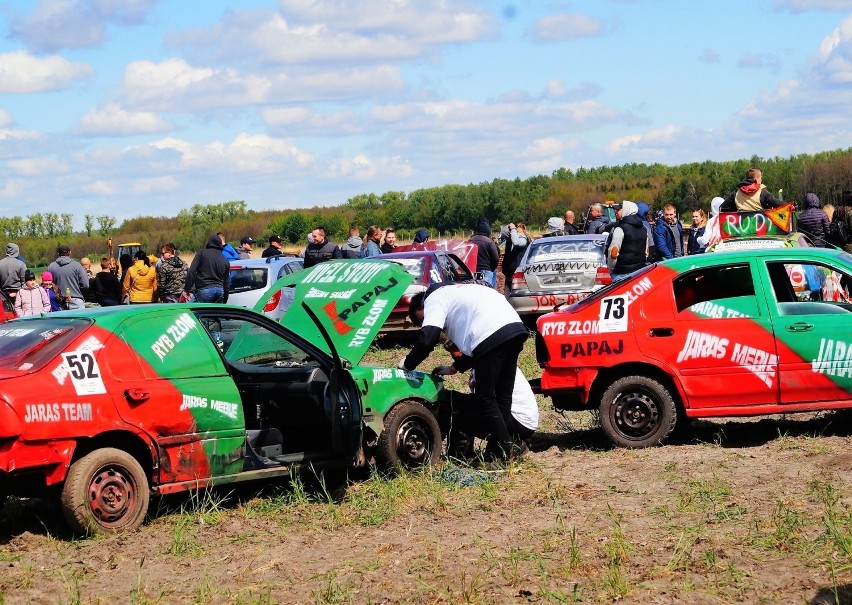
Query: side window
[(717, 292), (288, 268), (246, 342), (809, 288)]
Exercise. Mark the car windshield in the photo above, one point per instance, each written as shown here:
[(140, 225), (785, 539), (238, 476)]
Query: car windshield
[(543, 251), (26, 345), (245, 279)]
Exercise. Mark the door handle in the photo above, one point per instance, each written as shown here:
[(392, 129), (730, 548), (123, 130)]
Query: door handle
[(137, 395), (800, 326), (661, 332)]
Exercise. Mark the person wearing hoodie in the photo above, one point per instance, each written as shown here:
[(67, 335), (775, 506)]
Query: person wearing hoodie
[(813, 220), (12, 271), (70, 277), (208, 273), (751, 195), (712, 233), (32, 299), (140, 287), (487, 253), (371, 248), (171, 274), (353, 245), (628, 247), (421, 237)]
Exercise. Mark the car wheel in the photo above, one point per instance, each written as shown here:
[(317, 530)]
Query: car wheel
[(637, 412), (411, 436), (105, 491)]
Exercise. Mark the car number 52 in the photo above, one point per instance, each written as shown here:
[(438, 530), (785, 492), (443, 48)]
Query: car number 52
[(85, 373)]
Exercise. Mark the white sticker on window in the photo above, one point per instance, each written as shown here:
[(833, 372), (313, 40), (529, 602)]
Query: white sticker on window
[(613, 314), (85, 373)]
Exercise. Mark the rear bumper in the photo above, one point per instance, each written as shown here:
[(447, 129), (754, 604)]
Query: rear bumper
[(539, 303)]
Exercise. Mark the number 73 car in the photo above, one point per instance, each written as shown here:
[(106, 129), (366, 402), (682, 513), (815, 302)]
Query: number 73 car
[(725, 334), (103, 408)]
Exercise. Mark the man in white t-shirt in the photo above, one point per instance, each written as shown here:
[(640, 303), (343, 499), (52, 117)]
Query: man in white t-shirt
[(490, 335)]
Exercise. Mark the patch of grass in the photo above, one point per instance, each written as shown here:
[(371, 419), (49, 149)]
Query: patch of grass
[(618, 550), (712, 497), (332, 591)]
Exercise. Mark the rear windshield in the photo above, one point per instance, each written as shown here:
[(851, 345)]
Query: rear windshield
[(28, 344), (543, 250), (245, 279), (412, 266)]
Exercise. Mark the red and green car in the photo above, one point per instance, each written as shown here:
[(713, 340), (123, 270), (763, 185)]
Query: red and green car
[(103, 408), (725, 334)]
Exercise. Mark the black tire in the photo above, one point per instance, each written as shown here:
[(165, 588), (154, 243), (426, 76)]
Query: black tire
[(411, 437), (637, 412), (106, 491)]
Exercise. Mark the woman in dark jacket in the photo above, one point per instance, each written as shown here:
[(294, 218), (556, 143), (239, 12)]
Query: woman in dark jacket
[(813, 220), (699, 224)]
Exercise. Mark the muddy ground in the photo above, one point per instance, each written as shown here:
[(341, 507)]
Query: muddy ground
[(754, 511)]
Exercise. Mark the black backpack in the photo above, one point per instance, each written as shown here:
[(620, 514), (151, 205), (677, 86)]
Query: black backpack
[(837, 233)]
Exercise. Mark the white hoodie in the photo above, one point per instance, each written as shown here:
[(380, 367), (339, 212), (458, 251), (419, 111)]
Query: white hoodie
[(712, 233)]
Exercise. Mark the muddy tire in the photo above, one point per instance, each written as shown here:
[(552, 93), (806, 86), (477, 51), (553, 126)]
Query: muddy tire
[(106, 491), (637, 412), (411, 437)]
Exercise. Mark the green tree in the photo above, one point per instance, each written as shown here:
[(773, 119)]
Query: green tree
[(293, 227), (88, 224), (105, 224)]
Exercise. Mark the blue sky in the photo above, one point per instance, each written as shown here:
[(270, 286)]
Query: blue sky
[(145, 107)]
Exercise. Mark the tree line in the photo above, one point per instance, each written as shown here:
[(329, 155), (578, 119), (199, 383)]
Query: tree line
[(445, 208)]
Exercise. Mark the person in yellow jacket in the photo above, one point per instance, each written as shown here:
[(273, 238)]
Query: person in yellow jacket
[(140, 285)]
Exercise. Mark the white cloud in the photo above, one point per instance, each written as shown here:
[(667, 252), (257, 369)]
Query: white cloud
[(246, 154), (56, 24), (565, 27), (21, 72), (5, 118), (362, 168), (306, 121), (38, 166), (112, 120), (797, 6), (759, 61)]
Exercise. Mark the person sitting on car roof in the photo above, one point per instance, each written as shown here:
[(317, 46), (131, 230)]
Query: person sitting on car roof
[(751, 195)]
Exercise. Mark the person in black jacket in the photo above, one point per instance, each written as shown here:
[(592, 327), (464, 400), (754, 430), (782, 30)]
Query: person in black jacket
[(487, 255), (813, 220), (320, 248), (208, 273), (106, 286)]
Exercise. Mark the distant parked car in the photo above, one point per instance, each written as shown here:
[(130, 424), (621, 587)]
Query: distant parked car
[(251, 278), (427, 267), (558, 271)]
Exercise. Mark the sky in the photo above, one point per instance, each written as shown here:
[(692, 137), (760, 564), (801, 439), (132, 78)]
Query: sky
[(145, 107)]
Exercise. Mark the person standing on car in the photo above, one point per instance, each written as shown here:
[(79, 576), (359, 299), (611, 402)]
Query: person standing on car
[(208, 273), (487, 254), (597, 220), (628, 246), (320, 249), (70, 277), (274, 248), (751, 195), (517, 241), (171, 274), (699, 224), (371, 247), (352, 247), (490, 334), (668, 234), (814, 221)]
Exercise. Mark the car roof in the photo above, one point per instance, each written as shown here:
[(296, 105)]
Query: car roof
[(260, 262), (726, 256), (553, 239)]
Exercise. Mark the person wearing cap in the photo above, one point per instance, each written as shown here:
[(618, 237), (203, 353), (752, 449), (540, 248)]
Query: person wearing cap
[(12, 271), (555, 226), (31, 299), (627, 248), (245, 247), (274, 248), (70, 277)]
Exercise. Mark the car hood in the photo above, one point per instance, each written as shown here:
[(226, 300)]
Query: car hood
[(351, 298)]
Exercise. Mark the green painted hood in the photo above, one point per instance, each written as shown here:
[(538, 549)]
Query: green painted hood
[(351, 298)]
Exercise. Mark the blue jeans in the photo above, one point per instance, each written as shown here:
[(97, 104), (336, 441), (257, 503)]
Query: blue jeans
[(210, 294), (490, 277)]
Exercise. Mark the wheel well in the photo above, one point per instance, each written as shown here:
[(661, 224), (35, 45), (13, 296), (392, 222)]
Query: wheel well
[(607, 376), (131, 443)]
